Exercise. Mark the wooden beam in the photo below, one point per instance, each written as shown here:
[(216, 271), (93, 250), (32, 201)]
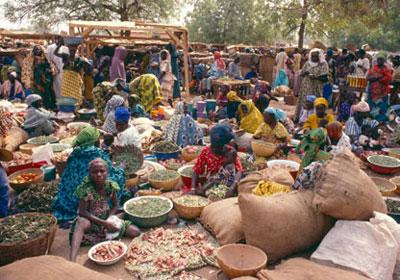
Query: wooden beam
[(186, 62), (87, 32)]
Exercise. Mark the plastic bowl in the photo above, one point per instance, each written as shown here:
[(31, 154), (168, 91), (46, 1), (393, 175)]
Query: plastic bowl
[(294, 166), (66, 108), (110, 262), (238, 260), (19, 187), (148, 222), (381, 168), (165, 156)]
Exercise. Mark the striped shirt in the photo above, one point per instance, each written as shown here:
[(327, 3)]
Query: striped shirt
[(353, 129)]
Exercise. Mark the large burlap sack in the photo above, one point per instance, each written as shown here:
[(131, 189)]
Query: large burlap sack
[(282, 224), (274, 174), (49, 268), (223, 219), (15, 137), (344, 191), (370, 249), (302, 269)]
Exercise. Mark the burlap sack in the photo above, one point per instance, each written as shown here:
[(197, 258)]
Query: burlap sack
[(49, 268), (274, 174), (16, 136), (223, 219), (282, 224), (303, 269), (344, 191)]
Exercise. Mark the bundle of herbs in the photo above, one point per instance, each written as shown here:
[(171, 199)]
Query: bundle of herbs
[(38, 198)]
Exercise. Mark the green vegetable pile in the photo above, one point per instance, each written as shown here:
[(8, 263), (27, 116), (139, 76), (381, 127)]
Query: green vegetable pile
[(38, 198), (191, 201), (247, 165), (187, 172), (16, 229), (42, 140), (217, 192), (393, 206), (384, 161), (165, 147), (148, 207), (163, 175)]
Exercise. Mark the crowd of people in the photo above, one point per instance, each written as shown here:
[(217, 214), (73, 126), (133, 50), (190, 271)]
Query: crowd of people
[(329, 115)]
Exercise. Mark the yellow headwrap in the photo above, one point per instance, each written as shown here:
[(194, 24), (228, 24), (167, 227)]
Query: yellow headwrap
[(232, 96), (252, 120), (321, 101)]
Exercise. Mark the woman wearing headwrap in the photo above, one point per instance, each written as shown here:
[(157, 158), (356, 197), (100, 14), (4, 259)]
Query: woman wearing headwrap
[(308, 109), (182, 129), (379, 78), (250, 116), (336, 140), (38, 120), (12, 88), (148, 89), (233, 104), (311, 147), (102, 93), (126, 134), (117, 69), (167, 78), (86, 149), (137, 109), (211, 158), (314, 76), (321, 118), (217, 71), (109, 113)]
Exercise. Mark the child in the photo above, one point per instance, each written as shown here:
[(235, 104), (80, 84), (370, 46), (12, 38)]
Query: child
[(98, 203), (348, 100), (308, 109)]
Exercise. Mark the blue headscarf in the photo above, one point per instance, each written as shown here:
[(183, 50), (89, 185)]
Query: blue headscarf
[(122, 114), (278, 114), (221, 135), (311, 98), (281, 79)]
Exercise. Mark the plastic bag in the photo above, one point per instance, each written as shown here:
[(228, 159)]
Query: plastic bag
[(368, 248), (43, 153)]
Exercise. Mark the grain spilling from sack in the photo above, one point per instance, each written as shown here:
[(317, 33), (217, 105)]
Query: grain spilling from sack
[(282, 224), (344, 191), (223, 219), (303, 269)]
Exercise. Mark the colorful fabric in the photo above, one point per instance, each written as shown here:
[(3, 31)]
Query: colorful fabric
[(43, 84), (102, 93), (354, 130), (88, 82), (129, 136), (281, 79), (71, 85), (9, 90), (117, 69), (305, 114), (313, 121), (321, 101), (219, 62), (311, 98), (66, 203), (379, 108), (344, 112), (88, 136), (122, 115), (109, 113), (252, 119), (168, 79), (361, 106), (381, 88), (182, 129), (274, 135), (210, 163), (232, 96), (310, 146), (344, 143), (148, 89), (220, 135), (278, 114)]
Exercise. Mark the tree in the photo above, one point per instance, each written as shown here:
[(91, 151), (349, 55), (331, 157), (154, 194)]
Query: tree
[(51, 12)]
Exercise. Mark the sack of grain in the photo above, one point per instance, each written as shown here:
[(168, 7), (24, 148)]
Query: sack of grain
[(282, 224), (273, 174), (303, 269), (223, 219), (49, 268), (15, 137), (344, 191)]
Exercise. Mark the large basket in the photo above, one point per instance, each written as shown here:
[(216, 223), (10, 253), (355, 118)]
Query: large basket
[(187, 212), (19, 187), (167, 185), (34, 247), (262, 148), (188, 157)]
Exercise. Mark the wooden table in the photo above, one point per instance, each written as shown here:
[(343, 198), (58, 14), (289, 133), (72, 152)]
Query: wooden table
[(242, 87)]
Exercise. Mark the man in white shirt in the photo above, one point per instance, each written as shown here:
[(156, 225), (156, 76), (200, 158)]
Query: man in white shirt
[(363, 64), (59, 65), (281, 59), (127, 134)]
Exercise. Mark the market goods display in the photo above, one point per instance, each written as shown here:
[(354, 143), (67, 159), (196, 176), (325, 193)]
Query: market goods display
[(38, 198), (238, 260), (129, 157), (172, 164), (26, 235), (5, 122), (187, 171), (27, 148), (190, 153), (291, 166), (344, 191), (148, 192), (148, 211), (224, 220), (189, 206), (77, 126), (164, 179), (302, 269), (15, 137), (20, 180), (19, 159), (269, 223), (108, 252), (248, 166), (217, 193), (267, 188), (148, 168), (67, 141), (43, 140), (162, 253), (58, 148), (384, 164), (166, 150), (262, 148), (385, 187)]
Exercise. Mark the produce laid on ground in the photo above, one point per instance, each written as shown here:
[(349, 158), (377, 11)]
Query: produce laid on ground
[(217, 193), (267, 188), (24, 178), (148, 207), (191, 201), (162, 253), (393, 206), (38, 198), (108, 251), (129, 157), (19, 228), (165, 147)]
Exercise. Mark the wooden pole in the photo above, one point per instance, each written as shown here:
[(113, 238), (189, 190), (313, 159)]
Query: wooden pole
[(186, 62)]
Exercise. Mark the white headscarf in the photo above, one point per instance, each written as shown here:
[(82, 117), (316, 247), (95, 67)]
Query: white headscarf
[(320, 54)]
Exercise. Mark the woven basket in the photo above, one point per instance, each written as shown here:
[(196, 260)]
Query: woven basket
[(186, 212), (19, 187), (188, 157), (386, 187), (168, 185), (35, 247), (262, 148)]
